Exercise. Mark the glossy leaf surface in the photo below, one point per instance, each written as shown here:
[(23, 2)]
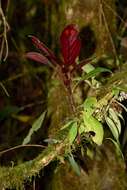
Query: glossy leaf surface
[(70, 44), (91, 123)]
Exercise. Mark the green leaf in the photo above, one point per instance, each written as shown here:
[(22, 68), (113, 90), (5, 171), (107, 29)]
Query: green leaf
[(73, 133), (115, 91), (69, 124), (88, 68), (36, 125), (74, 165), (81, 129), (95, 72), (113, 115), (89, 105), (8, 111), (120, 116), (113, 128), (89, 153), (92, 124), (97, 128), (91, 72)]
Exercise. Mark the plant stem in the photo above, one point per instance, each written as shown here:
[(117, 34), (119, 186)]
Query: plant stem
[(71, 99)]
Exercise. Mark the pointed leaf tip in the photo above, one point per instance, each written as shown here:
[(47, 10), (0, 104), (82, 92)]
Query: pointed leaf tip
[(44, 49), (37, 57), (39, 45)]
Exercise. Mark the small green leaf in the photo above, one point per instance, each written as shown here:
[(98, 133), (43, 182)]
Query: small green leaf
[(97, 128), (89, 153), (36, 125), (95, 72), (89, 105), (67, 125), (113, 128), (88, 68), (92, 124), (120, 116), (74, 165), (73, 132), (115, 118), (91, 72), (115, 91)]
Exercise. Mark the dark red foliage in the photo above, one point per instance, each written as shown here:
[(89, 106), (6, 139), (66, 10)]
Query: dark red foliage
[(70, 48), (44, 49), (70, 44), (37, 57)]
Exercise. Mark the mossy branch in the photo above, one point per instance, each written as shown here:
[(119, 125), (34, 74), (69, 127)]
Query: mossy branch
[(14, 177)]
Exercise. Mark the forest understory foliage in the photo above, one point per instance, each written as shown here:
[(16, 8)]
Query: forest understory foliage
[(63, 101)]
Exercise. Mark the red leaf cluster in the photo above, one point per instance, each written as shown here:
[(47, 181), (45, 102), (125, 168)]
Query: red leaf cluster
[(70, 48), (70, 44)]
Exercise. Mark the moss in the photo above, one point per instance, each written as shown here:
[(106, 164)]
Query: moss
[(58, 106), (14, 177)]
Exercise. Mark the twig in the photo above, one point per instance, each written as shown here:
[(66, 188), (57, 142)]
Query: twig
[(30, 168), (21, 146), (5, 90), (114, 12), (107, 28), (4, 43), (31, 105)]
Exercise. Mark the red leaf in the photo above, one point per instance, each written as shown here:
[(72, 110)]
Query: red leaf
[(70, 44), (37, 57), (40, 45)]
